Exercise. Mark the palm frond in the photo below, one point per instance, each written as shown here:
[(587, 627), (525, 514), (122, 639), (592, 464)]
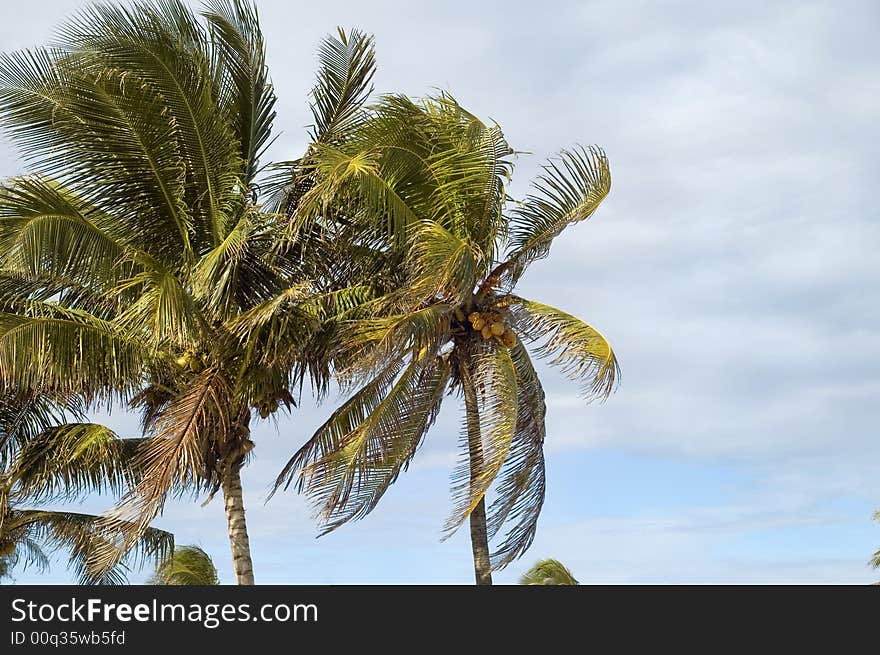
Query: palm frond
[(174, 457), (82, 534), (25, 413), (442, 264), (52, 347), (569, 191), (366, 345), (69, 460), (164, 47), (347, 63), (581, 352), (328, 438), (347, 483), (519, 491), (488, 380), (46, 230), (239, 61), (106, 137)]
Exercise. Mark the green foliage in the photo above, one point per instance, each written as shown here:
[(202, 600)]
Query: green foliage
[(188, 565), (63, 462), (548, 572)]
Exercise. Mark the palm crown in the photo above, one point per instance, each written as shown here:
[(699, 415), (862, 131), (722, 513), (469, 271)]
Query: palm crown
[(425, 185), (137, 264)]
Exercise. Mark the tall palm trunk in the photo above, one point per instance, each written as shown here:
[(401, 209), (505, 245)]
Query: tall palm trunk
[(479, 536), (235, 521)]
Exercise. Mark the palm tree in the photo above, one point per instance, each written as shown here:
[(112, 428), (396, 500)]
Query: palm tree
[(188, 565), (420, 186), (137, 264), (45, 463), (548, 572)]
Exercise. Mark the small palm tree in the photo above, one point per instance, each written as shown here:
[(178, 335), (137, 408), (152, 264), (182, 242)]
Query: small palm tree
[(137, 264), (420, 188), (188, 565), (548, 572), (42, 464)]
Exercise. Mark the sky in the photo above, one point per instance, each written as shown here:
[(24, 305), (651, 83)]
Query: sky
[(732, 267)]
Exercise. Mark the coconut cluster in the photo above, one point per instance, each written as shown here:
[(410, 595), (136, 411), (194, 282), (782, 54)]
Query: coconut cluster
[(268, 407), (190, 360), (491, 325)]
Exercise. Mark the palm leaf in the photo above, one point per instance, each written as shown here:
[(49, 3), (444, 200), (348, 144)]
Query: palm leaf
[(82, 535), (247, 96), (172, 458), (347, 483), (583, 354), (442, 264), (163, 46), (68, 460), (187, 565), (347, 65), (489, 382), (569, 191), (48, 346), (521, 484)]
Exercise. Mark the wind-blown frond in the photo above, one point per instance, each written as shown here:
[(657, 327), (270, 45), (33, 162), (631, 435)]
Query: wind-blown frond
[(165, 48), (329, 437), (489, 384), (24, 414), (48, 346), (172, 458), (519, 491), (347, 65), (46, 230), (582, 353), (366, 344), (66, 461), (569, 191), (107, 137), (442, 265), (246, 94), (81, 535), (348, 482)]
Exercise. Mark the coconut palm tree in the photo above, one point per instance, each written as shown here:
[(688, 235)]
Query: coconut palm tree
[(188, 565), (45, 463), (136, 263), (548, 572), (420, 186)]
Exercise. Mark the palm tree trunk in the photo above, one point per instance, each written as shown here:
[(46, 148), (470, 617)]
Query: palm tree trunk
[(235, 521), (479, 536)]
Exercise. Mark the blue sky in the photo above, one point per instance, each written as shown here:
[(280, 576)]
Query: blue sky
[(733, 267)]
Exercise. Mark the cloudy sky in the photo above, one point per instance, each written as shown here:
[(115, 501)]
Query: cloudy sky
[(733, 267)]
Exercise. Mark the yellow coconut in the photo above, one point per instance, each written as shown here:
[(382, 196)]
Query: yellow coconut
[(508, 338), (183, 360), (497, 329), (486, 332), (473, 316)]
